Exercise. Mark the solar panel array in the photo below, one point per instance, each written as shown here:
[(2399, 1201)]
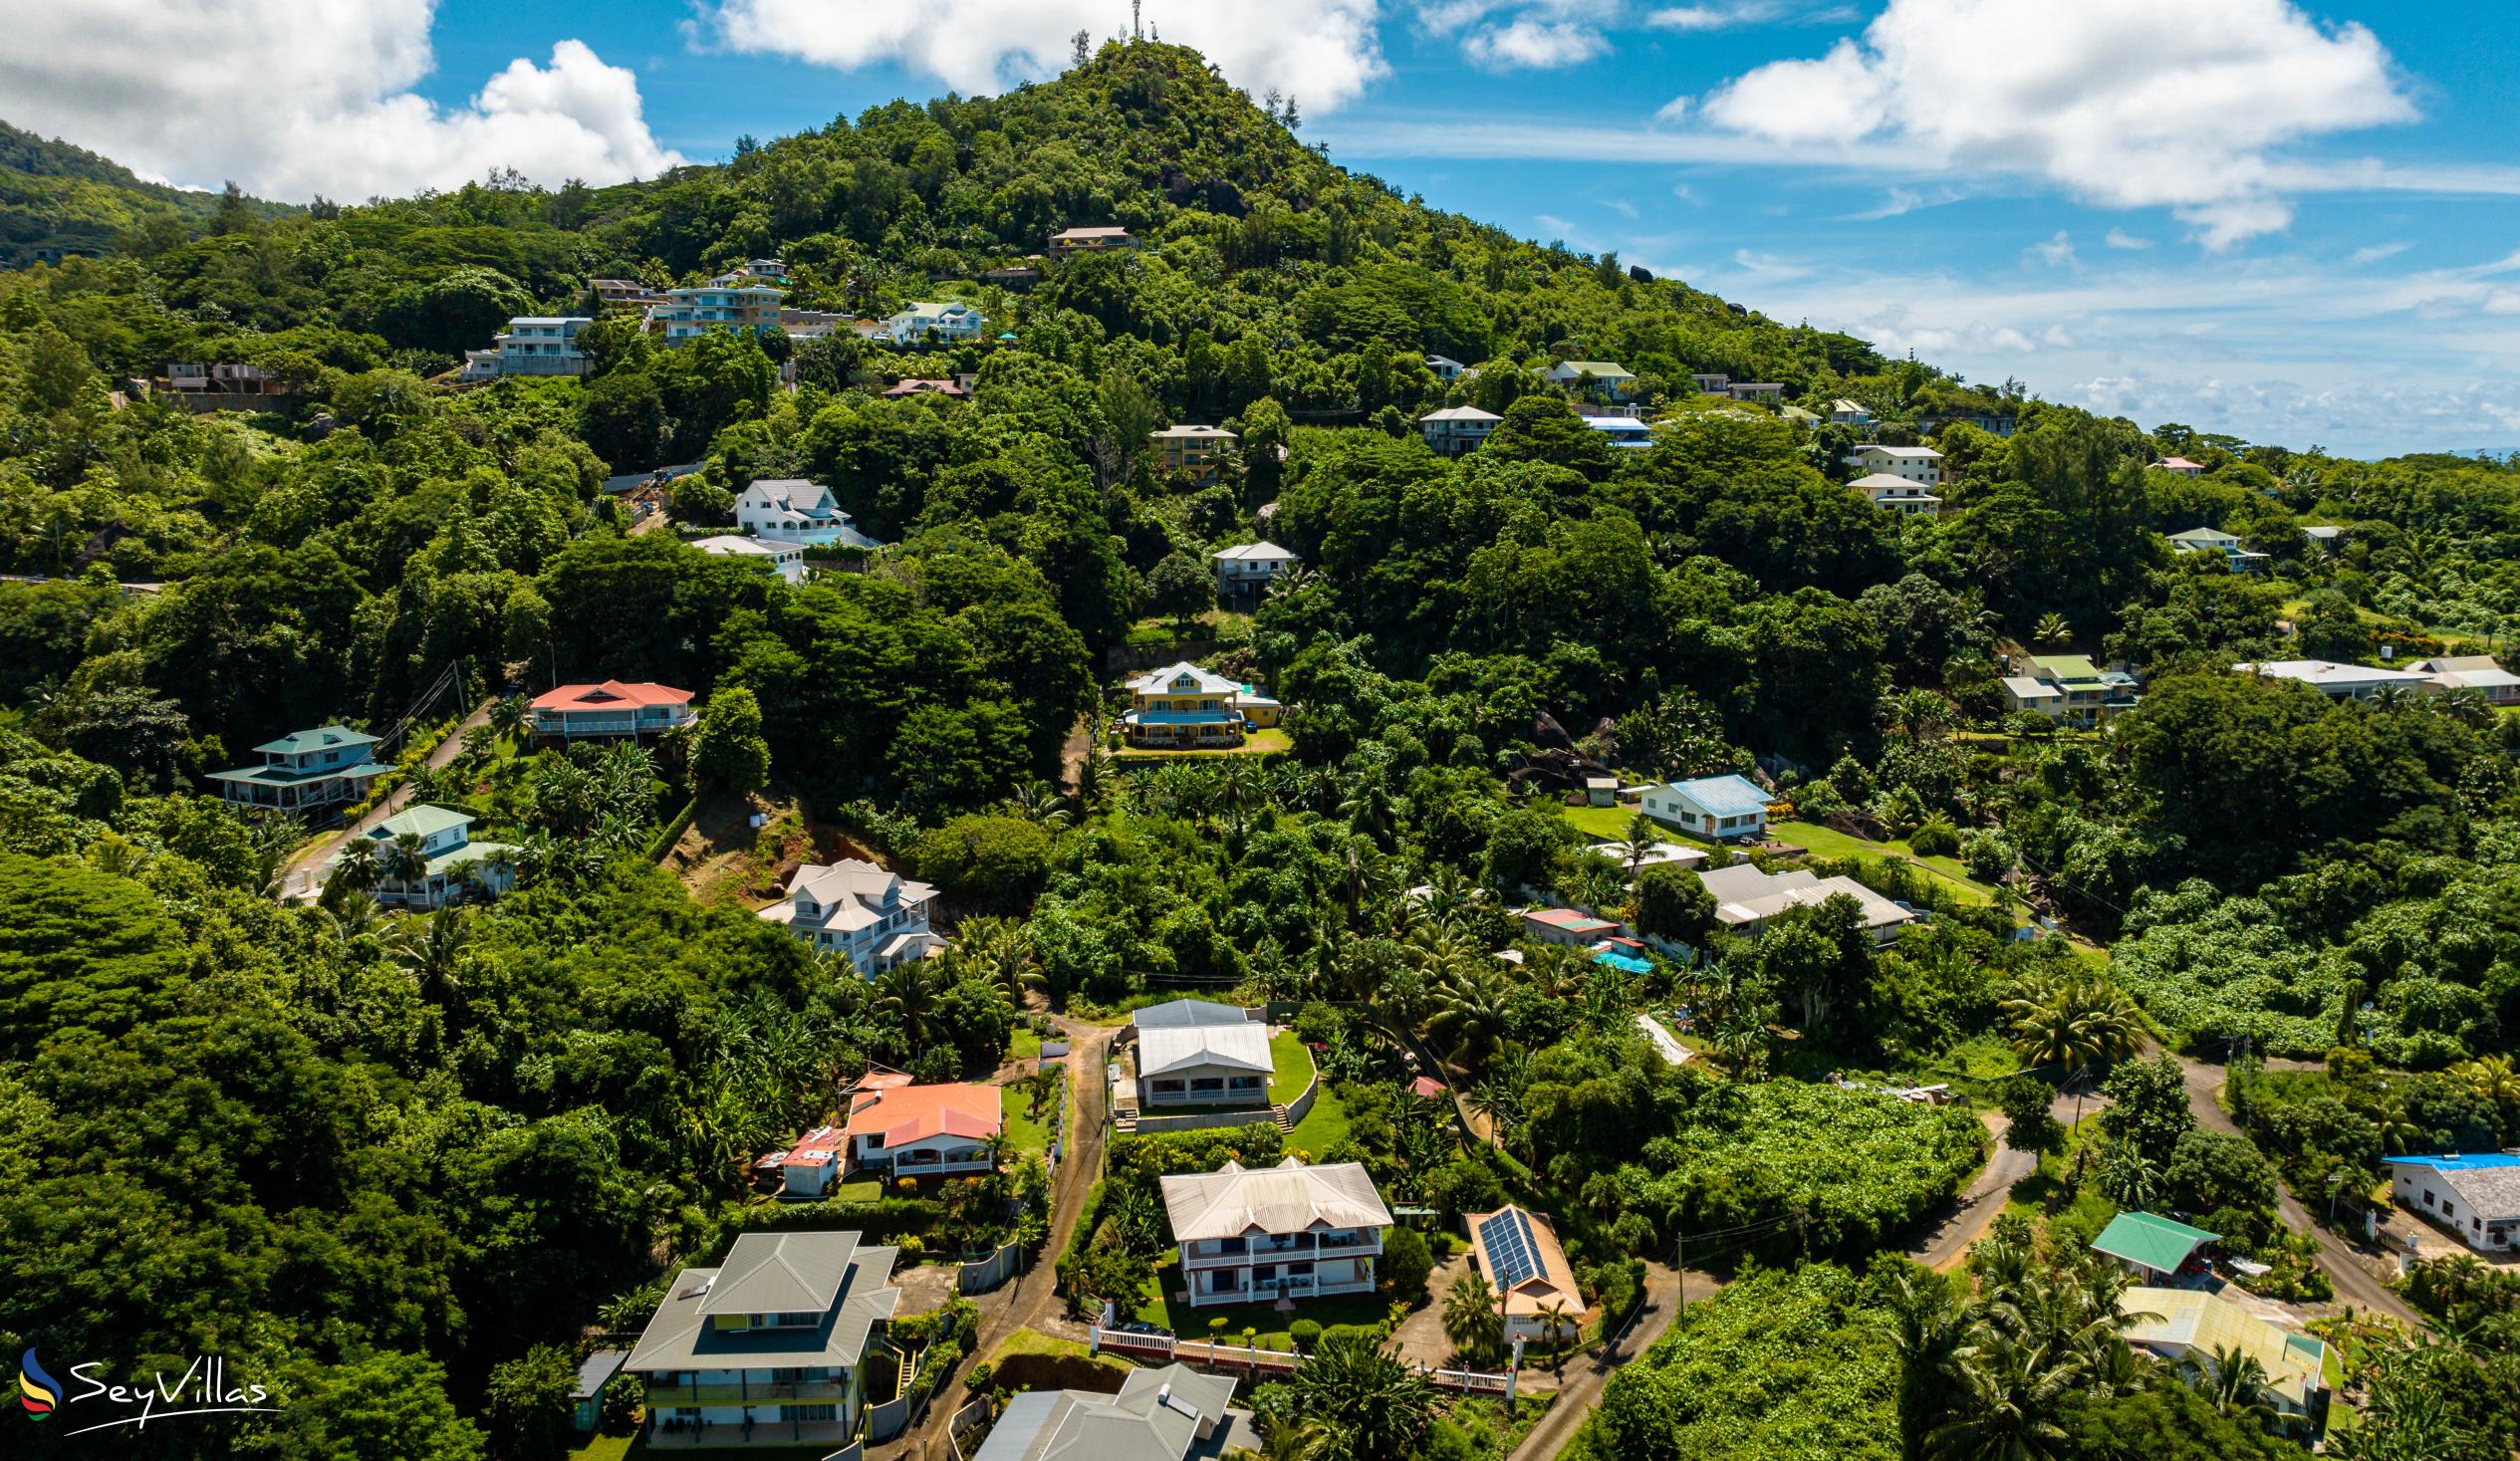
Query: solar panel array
[(1511, 1250)]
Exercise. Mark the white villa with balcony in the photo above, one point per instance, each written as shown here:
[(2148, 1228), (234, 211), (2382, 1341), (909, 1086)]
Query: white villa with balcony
[(853, 908), (1250, 568), (738, 301), (1194, 1052), (905, 1130), (794, 510), (953, 323), (534, 344), (1921, 465), (453, 867), (615, 710), (1288, 1231), (767, 1346), (1456, 430), (330, 766)]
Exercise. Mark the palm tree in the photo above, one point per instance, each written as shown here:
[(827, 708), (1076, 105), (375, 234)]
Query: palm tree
[(999, 951), (907, 994), (2052, 629), (358, 868), (1641, 838), (510, 715), (2129, 1179), (1556, 1323), (2004, 1407), (2073, 1024), (1381, 1406), (1470, 1016), (352, 917), (406, 860), (1474, 1316), (2495, 1078), (1038, 801), (434, 952), (1094, 778), (1926, 1326), (2236, 1384)]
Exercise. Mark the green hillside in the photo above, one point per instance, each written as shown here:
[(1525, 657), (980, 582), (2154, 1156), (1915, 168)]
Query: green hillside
[(57, 198)]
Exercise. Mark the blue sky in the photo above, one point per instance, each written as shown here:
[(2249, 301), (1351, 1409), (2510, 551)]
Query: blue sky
[(2292, 222)]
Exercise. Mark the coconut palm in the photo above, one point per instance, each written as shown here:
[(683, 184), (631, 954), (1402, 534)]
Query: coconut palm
[(510, 715), (432, 951), (1556, 1326), (352, 917), (2129, 1179), (2005, 1404), (1924, 1324), (1639, 844), (406, 859), (1474, 1316), (1039, 802), (1382, 1406), (1470, 1016), (2493, 1078), (359, 867), (999, 952), (2052, 629), (2236, 1384), (907, 994)]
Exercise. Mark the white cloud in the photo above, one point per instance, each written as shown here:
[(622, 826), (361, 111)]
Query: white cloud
[(1621, 206), (1323, 52), (2057, 252), (1715, 17), (1535, 43), (2118, 238), (2088, 96), (292, 97), (2378, 252)]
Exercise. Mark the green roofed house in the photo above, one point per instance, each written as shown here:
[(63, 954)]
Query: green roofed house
[(330, 766), (450, 865), (2155, 1249)]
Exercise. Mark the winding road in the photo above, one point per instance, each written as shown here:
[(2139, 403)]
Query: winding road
[(308, 862)]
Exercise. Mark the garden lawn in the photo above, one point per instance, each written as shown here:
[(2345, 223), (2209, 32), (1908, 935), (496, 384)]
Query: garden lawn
[(1026, 1045), (1259, 743), (1160, 1311), (1290, 1066), (1325, 1127), (1824, 841), (1610, 825), (1029, 1135)]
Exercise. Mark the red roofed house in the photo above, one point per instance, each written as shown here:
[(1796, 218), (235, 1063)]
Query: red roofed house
[(614, 710), (923, 1130), (2180, 465), (811, 1165), (1566, 926)]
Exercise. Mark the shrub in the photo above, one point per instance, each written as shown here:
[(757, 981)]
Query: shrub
[(1305, 1334), (1936, 838)]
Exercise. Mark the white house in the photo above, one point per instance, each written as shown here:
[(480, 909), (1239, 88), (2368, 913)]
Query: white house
[(794, 510), (1250, 568), (302, 771), (452, 865), (1905, 496), (953, 323), (1445, 368), (810, 1169), (1169, 1414), (1849, 413), (1721, 807), (767, 1346), (1762, 390), (2474, 1196), (533, 344), (905, 1130), (2214, 539), (2340, 681), (2479, 672), (1288, 1231), (1746, 899), (1921, 465), (1623, 430), (787, 560), (1611, 380), (2180, 465), (853, 907), (1456, 430), (736, 301), (1194, 1052), (1520, 1255)]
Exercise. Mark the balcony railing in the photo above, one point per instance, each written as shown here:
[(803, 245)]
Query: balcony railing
[(1294, 1250), (759, 1392)]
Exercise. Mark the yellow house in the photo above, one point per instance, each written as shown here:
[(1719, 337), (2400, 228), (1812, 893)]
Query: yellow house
[(1193, 451), (1183, 707)]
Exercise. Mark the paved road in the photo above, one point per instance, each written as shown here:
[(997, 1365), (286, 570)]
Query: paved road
[(309, 859), (1587, 1374), (1029, 1301), (2356, 1278), (1975, 1210)]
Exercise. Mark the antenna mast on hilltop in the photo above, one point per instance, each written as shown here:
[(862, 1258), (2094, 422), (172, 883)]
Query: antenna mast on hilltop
[(1135, 33)]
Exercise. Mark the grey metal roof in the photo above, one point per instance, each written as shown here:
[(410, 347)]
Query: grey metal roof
[(1176, 1012), (1170, 1049), (1287, 1198), (683, 1336), (1157, 1416), (597, 1372)]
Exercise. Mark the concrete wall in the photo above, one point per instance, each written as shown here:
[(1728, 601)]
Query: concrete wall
[(989, 1273)]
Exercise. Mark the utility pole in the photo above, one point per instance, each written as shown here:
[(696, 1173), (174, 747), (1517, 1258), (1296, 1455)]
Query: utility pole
[(1679, 1260)]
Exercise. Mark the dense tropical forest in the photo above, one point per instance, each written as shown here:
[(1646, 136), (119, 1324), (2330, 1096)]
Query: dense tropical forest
[(400, 1164)]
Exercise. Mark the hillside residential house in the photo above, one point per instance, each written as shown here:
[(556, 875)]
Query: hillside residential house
[(1447, 367), (787, 560), (1721, 807), (2340, 681), (2069, 688), (1519, 1253), (1994, 424), (1921, 465), (2189, 1327), (2479, 672), (623, 295), (1013, 276), (533, 344), (1770, 391), (1288, 1231), (1610, 381), (1194, 1052), (1182, 705), (2214, 539), (453, 865), (1090, 241), (1798, 416), (2325, 535), (1457, 430), (1710, 382), (1746, 899), (805, 324), (2155, 1249), (794, 510), (810, 1169), (330, 766), (1622, 430), (1902, 495), (1174, 1413), (951, 322), (2475, 1195), (853, 907), (735, 301), (1191, 452), (1566, 926), (227, 377), (2180, 465), (767, 1346), (1849, 413), (905, 1130), (615, 711), (1250, 568)]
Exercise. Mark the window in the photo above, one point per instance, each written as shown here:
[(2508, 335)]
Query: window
[(2427, 1199), (2449, 1209)]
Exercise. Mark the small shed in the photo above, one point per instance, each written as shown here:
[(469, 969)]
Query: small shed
[(593, 1374), (1601, 790)]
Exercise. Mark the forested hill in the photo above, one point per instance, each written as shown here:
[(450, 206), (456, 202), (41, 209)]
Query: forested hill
[(57, 198)]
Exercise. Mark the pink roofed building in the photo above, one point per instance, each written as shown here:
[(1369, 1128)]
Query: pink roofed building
[(923, 1130), (615, 710), (2180, 465), (1567, 926)]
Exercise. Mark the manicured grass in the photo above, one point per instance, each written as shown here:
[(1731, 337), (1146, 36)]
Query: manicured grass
[(866, 1189), (1324, 1127), (1610, 825), (1034, 1342), (1825, 841), (1159, 1308), (604, 1448), (616, 1448), (1026, 1045), (1028, 1134), (1266, 742), (1293, 1067)]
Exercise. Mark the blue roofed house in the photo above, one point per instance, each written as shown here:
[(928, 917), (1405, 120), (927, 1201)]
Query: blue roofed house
[(1169, 1414), (951, 322), (2476, 1195), (1721, 807), (2214, 539), (452, 868), (1623, 430), (304, 770)]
